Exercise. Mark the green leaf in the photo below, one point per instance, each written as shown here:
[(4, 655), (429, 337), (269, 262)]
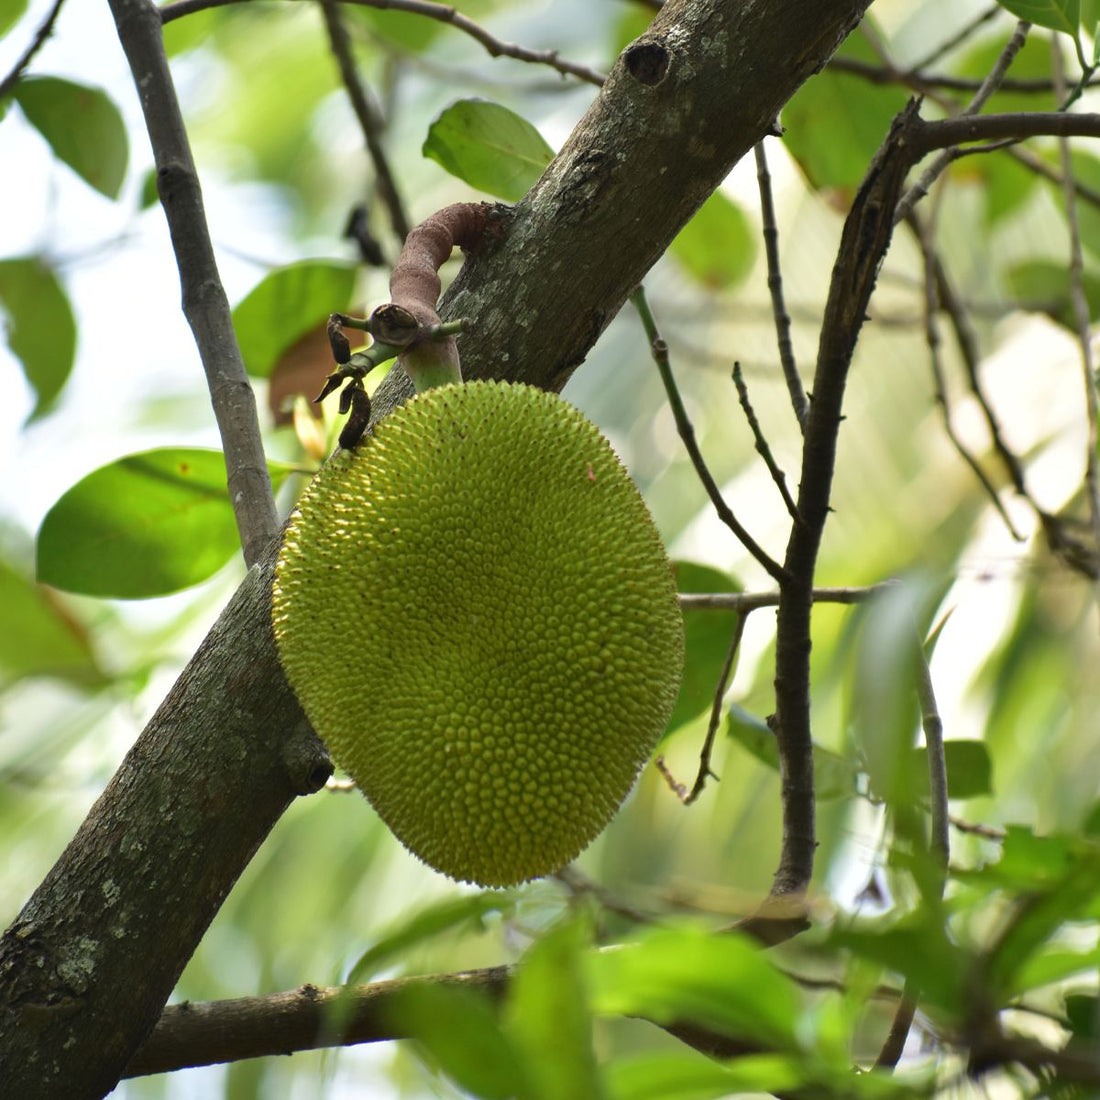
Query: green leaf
[(431, 921), (717, 246), (549, 1019), (1031, 863), (82, 125), (181, 35), (40, 637), (1090, 23), (148, 195), (1044, 286), (456, 1030), (11, 11), (969, 768), (1052, 966), (836, 121), (691, 975), (632, 23), (885, 715), (916, 947), (144, 525), (489, 147), (707, 637), (688, 1075), (41, 328), (1055, 15), (287, 304)]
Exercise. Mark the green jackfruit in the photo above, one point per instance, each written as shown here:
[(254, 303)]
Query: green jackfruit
[(477, 614)]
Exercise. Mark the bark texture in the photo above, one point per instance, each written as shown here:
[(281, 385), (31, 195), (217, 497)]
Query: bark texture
[(90, 961)]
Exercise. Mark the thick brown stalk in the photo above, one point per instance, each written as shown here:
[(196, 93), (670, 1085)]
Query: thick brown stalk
[(415, 288)]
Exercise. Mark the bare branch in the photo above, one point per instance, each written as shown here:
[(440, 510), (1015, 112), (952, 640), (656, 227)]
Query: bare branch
[(945, 132), (894, 1044), (762, 447), (775, 288), (27, 56), (188, 1035), (204, 300), (1081, 316), (932, 339), (989, 85), (688, 797), (441, 13), (864, 241), (960, 38), (367, 115), (687, 433), (750, 601)]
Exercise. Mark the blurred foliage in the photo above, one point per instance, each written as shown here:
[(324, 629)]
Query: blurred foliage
[(1009, 627)]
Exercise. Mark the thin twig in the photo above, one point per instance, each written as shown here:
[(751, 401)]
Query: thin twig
[(987, 832), (688, 797), (775, 288), (894, 1045), (37, 42), (1034, 163), (204, 301), (989, 85), (762, 447), (1081, 316), (959, 38), (932, 339), (687, 433), (751, 601), (579, 884), (368, 116), (441, 13), (716, 710), (1017, 125), (939, 844), (967, 343)]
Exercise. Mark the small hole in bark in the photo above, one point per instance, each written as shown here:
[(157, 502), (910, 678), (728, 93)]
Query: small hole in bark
[(318, 776), (647, 62)]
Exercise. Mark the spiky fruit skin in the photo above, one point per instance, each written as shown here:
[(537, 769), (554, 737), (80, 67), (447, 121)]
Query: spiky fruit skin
[(477, 614)]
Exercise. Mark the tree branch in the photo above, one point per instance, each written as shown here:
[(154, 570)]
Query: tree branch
[(1081, 318), (775, 288), (188, 1035), (439, 12), (87, 965), (686, 430), (27, 56), (865, 239), (989, 85), (204, 302), (367, 116)]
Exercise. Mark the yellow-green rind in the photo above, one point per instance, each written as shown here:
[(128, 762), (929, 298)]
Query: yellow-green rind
[(477, 614)]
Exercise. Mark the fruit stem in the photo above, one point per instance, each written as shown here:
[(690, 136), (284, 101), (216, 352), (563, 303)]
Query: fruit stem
[(431, 356)]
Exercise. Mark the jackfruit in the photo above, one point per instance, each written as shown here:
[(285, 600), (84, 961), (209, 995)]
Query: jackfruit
[(478, 617)]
